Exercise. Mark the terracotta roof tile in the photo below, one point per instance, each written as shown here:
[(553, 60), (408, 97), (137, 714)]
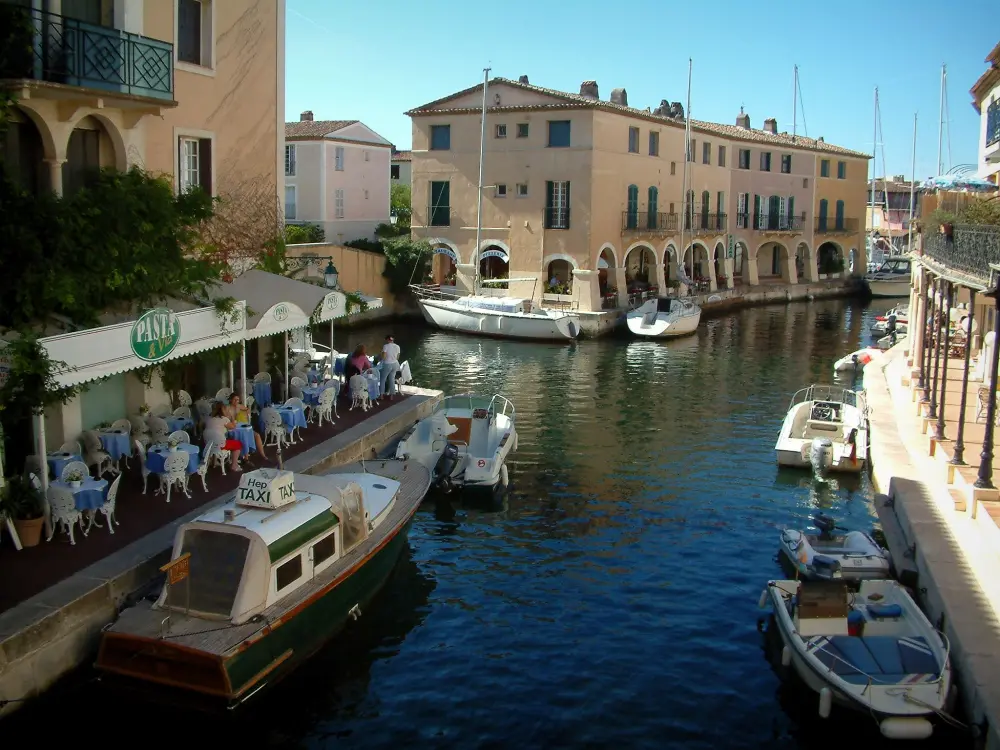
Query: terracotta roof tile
[(576, 101), (402, 156), (315, 128)]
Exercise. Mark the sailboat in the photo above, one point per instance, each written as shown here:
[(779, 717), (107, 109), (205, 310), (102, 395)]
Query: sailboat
[(497, 316)]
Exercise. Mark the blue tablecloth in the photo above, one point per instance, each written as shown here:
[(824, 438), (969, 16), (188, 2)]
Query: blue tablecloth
[(311, 393), (262, 394), (374, 384), (115, 443), (158, 453), (91, 494), (312, 375), (292, 416), (178, 423), (57, 462), (244, 433)]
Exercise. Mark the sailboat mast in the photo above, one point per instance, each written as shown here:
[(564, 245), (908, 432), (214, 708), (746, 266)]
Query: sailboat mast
[(944, 74), (795, 101), (913, 175), (688, 156), (479, 204), (871, 236)]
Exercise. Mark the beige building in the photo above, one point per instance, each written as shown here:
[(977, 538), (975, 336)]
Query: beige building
[(193, 89), (588, 194), (399, 169)]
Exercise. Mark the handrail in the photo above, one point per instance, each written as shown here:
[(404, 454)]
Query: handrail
[(490, 407), (824, 392)]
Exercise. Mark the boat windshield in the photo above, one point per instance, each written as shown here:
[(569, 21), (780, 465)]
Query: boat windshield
[(217, 561), (895, 266)]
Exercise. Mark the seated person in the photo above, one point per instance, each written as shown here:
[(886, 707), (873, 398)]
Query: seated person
[(234, 412)]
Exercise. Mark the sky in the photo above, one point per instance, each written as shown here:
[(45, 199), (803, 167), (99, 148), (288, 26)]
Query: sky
[(372, 61)]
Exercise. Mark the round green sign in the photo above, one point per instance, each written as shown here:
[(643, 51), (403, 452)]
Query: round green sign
[(155, 334)]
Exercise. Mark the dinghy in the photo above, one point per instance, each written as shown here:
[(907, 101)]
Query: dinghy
[(664, 318), (465, 442), (872, 651), (824, 555), (856, 360), (826, 427), (902, 315)]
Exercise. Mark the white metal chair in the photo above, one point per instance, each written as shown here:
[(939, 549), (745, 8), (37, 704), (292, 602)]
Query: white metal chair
[(359, 392), (203, 466), (295, 386), (297, 402), (72, 447), (62, 506), (141, 453), (262, 377), (404, 376), (275, 432), (982, 408), (74, 466), (159, 429), (214, 452), (140, 431), (204, 408), (96, 456), (175, 467), (160, 410), (183, 412), (183, 399), (327, 407), (223, 394), (108, 509), (180, 436), (122, 424)]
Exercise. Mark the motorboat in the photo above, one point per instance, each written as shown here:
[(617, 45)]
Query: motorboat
[(857, 360), (891, 279), (259, 583), (664, 317), (826, 427), (465, 442), (902, 315), (502, 317), (872, 650), (887, 342), (824, 554)]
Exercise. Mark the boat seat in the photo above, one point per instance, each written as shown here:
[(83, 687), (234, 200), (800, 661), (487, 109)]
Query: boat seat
[(885, 658), (822, 425), (880, 611), (461, 435)]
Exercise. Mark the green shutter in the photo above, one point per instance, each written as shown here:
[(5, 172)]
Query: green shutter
[(756, 211), (791, 211)]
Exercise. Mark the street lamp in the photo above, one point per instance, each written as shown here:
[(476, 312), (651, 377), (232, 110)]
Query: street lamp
[(330, 275), (393, 218)]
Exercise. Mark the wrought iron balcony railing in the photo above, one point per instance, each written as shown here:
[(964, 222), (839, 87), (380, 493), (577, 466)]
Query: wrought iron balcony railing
[(702, 223), (769, 223), (833, 225), (643, 221), (968, 250), (438, 216), (556, 218), (49, 47)]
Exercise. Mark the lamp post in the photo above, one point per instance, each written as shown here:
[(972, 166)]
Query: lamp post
[(330, 275), (393, 218), (985, 478)]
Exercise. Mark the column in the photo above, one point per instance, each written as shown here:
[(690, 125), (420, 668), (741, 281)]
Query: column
[(985, 478), (959, 455), (243, 371), (939, 432), (917, 326), (925, 366), (937, 347), (621, 285), (55, 175), (586, 290)]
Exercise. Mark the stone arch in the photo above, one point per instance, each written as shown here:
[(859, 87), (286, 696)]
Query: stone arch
[(697, 260), (444, 266), (607, 262), (494, 260), (640, 261), (670, 260), (744, 263), (115, 136), (829, 257), (612, 261), (498, 243), (774, 260), (442, 242), (31, 171), (559, 267), (805, 261), (721, 264), (49, 148)]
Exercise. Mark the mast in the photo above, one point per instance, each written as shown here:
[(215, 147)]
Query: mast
[(688, 156), (795, 101), (913, 175), (479, 203), (871, 234), (944, 75)]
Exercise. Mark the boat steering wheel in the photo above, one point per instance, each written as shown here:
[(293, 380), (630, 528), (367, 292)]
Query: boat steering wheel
[(823, 412)]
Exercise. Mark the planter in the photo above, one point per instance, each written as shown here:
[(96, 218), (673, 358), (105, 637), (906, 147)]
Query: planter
[(172, 448), (30, 531), (75, 484), (565, 298)]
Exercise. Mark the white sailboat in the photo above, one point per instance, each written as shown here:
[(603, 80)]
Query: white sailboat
[(498, 316)]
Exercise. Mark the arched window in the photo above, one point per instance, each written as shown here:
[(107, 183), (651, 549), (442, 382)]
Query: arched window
[(632, 213), (823, 209), (840, 216), (706, 204), (652, 209)]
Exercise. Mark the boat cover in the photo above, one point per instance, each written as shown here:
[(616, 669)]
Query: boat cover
[(886, 659), (496, 304)]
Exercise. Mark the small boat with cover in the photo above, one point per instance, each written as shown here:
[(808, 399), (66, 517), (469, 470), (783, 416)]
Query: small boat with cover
[(663, 317), (823, 554)]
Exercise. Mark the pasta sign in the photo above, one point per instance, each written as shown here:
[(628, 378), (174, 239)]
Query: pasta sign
[(155, 334)]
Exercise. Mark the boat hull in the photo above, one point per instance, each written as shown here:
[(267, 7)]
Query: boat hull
[(536, 327), (664, 328), (794, 460), (886, 289)]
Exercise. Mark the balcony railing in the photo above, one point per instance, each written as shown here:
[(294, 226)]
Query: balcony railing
[(769, 223), (969, 250), (556, 218), (48, 47), (438, 216), (643, 221), (833, 225), (993, 123), (701, 223)]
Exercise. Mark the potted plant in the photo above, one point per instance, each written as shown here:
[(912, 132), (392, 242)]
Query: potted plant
[(144, 411), (172, 443), (75, 478), (21, 501)]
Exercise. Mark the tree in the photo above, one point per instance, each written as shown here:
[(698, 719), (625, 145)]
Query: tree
[(400, 204)]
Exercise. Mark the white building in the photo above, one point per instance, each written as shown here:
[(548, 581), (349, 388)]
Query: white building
[(400, 171), (986, 100)]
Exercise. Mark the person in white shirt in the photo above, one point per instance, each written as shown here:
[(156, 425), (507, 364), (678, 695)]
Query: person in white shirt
[(390, 366)]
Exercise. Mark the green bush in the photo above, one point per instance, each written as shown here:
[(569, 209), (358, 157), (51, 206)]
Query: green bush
[(304, 234)]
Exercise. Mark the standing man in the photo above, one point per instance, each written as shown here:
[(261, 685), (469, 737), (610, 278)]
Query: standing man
[(390, 366)]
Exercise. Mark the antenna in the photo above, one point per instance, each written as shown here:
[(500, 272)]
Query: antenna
[(795, 100)]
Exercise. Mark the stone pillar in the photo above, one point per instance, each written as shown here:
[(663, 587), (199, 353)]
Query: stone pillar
[(465, 274), (812, 270), (619, 283), (985, 478), (916, 327), (958, 456), (713, 284), (56, 175), (661, 280), (751, 266), (946, 289), (586, 290)]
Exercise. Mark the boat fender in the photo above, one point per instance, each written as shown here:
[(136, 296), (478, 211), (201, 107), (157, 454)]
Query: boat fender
[(786, 656), (762, 602), (825, 702), (906, 728), (504, 477)]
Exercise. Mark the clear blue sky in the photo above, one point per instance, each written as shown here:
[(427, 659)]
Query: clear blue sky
[(373, 60)]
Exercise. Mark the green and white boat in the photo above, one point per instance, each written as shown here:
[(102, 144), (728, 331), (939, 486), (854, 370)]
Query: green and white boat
[(260, 583)]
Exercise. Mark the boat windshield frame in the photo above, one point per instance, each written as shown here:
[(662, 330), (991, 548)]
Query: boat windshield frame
[(474, 401), (833, 393)]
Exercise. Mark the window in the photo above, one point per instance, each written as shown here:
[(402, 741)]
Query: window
[(557, 205), (440, 137), (338, 204), (786, 163), (83, 160), (654, 143), (559, 133), (324, 549), (823, 210), (194, 32), (742, 210), (290, 202), (217, 561), (805, 182), (840, 216), (722, 156), (673, 168), (632, 207), (706, 153), (501, 191), (744, 158), (765, 161), (439, 211), (824, 168), (841, 170), (652, 199), (368, 155), (522, 130), (288, 573), (522, 190), (194, 164), (338, 160), (289, 161), (500, 131), (692, 147), (633, 140), (393, 171), (720, 206)]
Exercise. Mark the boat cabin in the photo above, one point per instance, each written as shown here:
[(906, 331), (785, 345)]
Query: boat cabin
[(279, 532), (894, 267)]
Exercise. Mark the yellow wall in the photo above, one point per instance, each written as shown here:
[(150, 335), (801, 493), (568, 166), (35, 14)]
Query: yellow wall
[(358, 270), (853, 191)]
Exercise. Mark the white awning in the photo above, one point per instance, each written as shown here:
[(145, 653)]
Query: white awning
[(281, 304), (158, 335)]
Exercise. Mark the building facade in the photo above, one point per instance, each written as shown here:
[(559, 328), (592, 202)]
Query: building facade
[(587, 197), (986, 100), (192, 89), (336, 176), (887, 219), (400, 168)]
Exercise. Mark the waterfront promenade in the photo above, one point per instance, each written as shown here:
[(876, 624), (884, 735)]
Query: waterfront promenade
[(933, 531)]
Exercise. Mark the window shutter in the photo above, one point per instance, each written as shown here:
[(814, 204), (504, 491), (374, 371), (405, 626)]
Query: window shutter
[(756, 211), (205, 164), (180, 165), (565, 220), (791, 210)]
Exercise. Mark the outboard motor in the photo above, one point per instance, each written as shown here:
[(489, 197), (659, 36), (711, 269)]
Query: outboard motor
[(825, 524), (821, 455), (825, 567), (445, 466)]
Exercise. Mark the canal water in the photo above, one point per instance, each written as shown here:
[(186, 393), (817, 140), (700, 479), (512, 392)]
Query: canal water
[(612, 599)]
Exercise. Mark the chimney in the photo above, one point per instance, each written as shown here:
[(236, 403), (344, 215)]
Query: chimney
[(619, 97), (743, 120), (771, 125), (899, 178), (306, 116), (523, 79), (820, 140), (588, 89)]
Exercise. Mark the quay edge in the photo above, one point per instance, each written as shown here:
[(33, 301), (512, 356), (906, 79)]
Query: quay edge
[(58, 630)]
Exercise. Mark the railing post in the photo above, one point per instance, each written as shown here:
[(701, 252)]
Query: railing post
[(928, 340), (920, 333), (985, 478), (937, 347), (944, 366), (959, 455)]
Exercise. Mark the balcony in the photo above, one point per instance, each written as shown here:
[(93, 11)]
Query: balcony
[(769, 223), (993, 130), (635, 222), (48, 47), (968, 252), (556, 217), (438, 216), (834, 225), (702, 223)]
